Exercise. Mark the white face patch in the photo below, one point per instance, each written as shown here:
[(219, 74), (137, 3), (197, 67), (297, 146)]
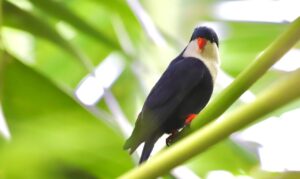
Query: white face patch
[(209, 55)]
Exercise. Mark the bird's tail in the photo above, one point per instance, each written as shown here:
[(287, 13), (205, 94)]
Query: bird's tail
[(131, 144), (148, 147), (135, 139)]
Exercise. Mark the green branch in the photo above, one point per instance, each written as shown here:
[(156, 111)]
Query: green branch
[(283, 92), (249, 76)]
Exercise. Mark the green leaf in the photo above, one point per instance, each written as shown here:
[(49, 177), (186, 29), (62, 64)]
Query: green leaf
[(225, 155), (245, 42), (60, 11), (57, 65), (52, 135), (127, 94), (121, 9), (18, 18)]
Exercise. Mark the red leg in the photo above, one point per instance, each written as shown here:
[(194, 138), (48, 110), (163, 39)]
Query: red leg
[(189, 119), (171, 137)]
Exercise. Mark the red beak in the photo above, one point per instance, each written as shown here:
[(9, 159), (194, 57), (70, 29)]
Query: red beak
[(201, 42)]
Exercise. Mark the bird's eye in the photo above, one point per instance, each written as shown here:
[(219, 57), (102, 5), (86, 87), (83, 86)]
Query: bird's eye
[(201, 42)]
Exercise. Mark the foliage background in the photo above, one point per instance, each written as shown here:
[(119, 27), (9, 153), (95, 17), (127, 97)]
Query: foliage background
[(49, 47)]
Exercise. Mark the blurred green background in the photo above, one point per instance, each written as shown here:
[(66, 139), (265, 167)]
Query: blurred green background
[(74, 75)]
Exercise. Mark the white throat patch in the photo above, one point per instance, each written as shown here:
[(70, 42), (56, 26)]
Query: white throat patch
[(209, 56)]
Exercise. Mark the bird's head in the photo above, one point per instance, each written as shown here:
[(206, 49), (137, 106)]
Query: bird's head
[(203, 34), (204, 44)]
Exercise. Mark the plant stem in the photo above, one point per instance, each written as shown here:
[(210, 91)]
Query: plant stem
[(283, 92), (249, 76)]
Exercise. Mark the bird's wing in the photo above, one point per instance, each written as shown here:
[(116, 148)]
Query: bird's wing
[(177, 81)]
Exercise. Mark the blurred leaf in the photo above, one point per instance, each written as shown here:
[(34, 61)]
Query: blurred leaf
[(53, 136), (18, 18), (57, 65), (63, 13), (120, 9), (245, 42), (224, 156), (121, 91)]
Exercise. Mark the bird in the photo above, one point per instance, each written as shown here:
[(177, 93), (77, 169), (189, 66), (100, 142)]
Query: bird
[(180, 94)]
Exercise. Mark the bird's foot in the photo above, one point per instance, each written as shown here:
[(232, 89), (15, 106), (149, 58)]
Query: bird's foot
[(169, 139), (189, 119), (175, 132)]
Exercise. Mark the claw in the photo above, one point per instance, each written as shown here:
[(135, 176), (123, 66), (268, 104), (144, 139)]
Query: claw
[(171, 137)]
